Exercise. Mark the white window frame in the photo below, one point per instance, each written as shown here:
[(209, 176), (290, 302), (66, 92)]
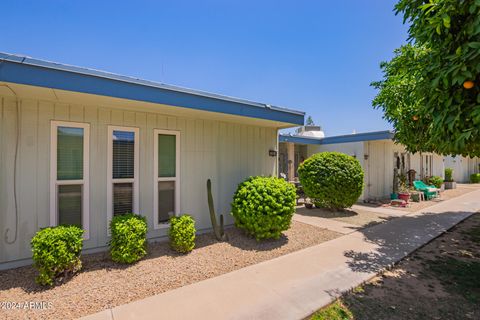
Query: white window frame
[(85, 182), (134, 180), (157, 179)]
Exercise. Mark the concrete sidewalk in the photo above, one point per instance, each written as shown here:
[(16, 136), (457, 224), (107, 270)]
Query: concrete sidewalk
[(296, 285)]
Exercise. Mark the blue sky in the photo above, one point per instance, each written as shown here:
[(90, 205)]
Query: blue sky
[(316, 56)]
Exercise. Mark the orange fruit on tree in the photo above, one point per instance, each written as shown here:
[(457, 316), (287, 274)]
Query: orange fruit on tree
[(468, 84), (415, 118)]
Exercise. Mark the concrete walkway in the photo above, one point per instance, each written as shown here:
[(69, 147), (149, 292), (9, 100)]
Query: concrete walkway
[(296, 285)]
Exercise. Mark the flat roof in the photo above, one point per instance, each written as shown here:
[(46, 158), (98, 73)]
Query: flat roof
[(41, 73), (354, 137)]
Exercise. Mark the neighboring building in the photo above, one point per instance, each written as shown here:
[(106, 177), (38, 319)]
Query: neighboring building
[(462, 167), (79, 146), (376, 152)]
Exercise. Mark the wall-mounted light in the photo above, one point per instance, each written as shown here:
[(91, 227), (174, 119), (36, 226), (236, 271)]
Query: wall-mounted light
[(365, 156), (272, 153)]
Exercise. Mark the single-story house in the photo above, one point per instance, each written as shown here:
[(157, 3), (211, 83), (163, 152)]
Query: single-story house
[(79, 146), (462, 167), (376, 152)]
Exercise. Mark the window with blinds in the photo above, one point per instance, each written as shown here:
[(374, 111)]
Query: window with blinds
[(123, 154), (69, 174), (166, 171), (123, 171)]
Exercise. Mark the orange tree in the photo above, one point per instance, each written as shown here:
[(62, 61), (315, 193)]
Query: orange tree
[(430, 90)]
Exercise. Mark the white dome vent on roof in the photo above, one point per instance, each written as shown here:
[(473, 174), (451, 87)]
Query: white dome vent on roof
[(310, 131)]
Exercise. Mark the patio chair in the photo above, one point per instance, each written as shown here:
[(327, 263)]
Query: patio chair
[(430, 192)]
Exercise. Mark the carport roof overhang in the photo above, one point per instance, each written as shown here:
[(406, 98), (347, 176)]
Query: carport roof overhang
[(357, 137), (33, 72)]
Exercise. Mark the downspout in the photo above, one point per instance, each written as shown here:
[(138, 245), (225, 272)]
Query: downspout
[(17, 133), (277, 148)]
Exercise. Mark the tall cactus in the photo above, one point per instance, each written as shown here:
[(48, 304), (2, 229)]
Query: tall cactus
[(395, 180), (218, 229)]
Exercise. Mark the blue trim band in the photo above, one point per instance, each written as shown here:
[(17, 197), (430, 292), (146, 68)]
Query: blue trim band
[(299, 139), (27, 71), (366, 136)]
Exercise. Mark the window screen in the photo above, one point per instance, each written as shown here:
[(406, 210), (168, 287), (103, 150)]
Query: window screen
[(70, 205), (122, 198), (166, 200), (166, 155), (69, 153), (123, 154)]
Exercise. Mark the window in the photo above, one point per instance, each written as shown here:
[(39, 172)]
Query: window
[(69, 168), (166, 183), (122, 170)]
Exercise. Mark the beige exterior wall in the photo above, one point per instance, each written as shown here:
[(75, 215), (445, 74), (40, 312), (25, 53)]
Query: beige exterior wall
[(462, 167), (379, 165), (224, 149), (355, 149)]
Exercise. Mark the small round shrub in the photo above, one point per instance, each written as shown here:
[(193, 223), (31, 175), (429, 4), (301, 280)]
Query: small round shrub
[(56, 251), (436, 181), (129, 238), (182, 233), (475, 178), (263, 206), (333, 180)]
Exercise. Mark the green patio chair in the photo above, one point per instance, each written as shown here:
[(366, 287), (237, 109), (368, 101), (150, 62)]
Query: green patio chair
[(430, 192)]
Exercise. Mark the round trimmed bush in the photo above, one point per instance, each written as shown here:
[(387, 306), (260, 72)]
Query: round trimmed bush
[(436, 181), (56, 251), (333, 180), (263, 206), (182, 233), (475, 178), (129, 238)]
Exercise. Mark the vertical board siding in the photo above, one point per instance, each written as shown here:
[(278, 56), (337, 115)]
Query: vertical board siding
[(224, 152), (3, 197), (8, 206)]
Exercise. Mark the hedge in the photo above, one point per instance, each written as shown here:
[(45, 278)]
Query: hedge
[(56, 251), (129, 238), (263, 206), (332, 180), (182, 233)]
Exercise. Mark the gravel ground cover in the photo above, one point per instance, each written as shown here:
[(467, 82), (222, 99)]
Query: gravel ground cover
[(360, 218), (104, 284)]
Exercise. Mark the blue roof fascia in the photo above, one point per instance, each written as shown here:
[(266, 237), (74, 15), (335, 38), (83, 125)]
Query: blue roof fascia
[(298, 139), (27, 71), (357, 137)]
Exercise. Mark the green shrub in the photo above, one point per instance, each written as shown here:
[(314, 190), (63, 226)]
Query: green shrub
[(56, 250), (436, 181), (182, 233), (333, 180), (475, 178), (448, 174), (129, 238), (263, 206)]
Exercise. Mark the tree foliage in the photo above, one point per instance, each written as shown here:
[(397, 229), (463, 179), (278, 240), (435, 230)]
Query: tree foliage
[(310, 121), (426, 91)]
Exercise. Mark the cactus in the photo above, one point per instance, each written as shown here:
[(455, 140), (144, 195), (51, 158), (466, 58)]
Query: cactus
[(218, 229), (395, 180)]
